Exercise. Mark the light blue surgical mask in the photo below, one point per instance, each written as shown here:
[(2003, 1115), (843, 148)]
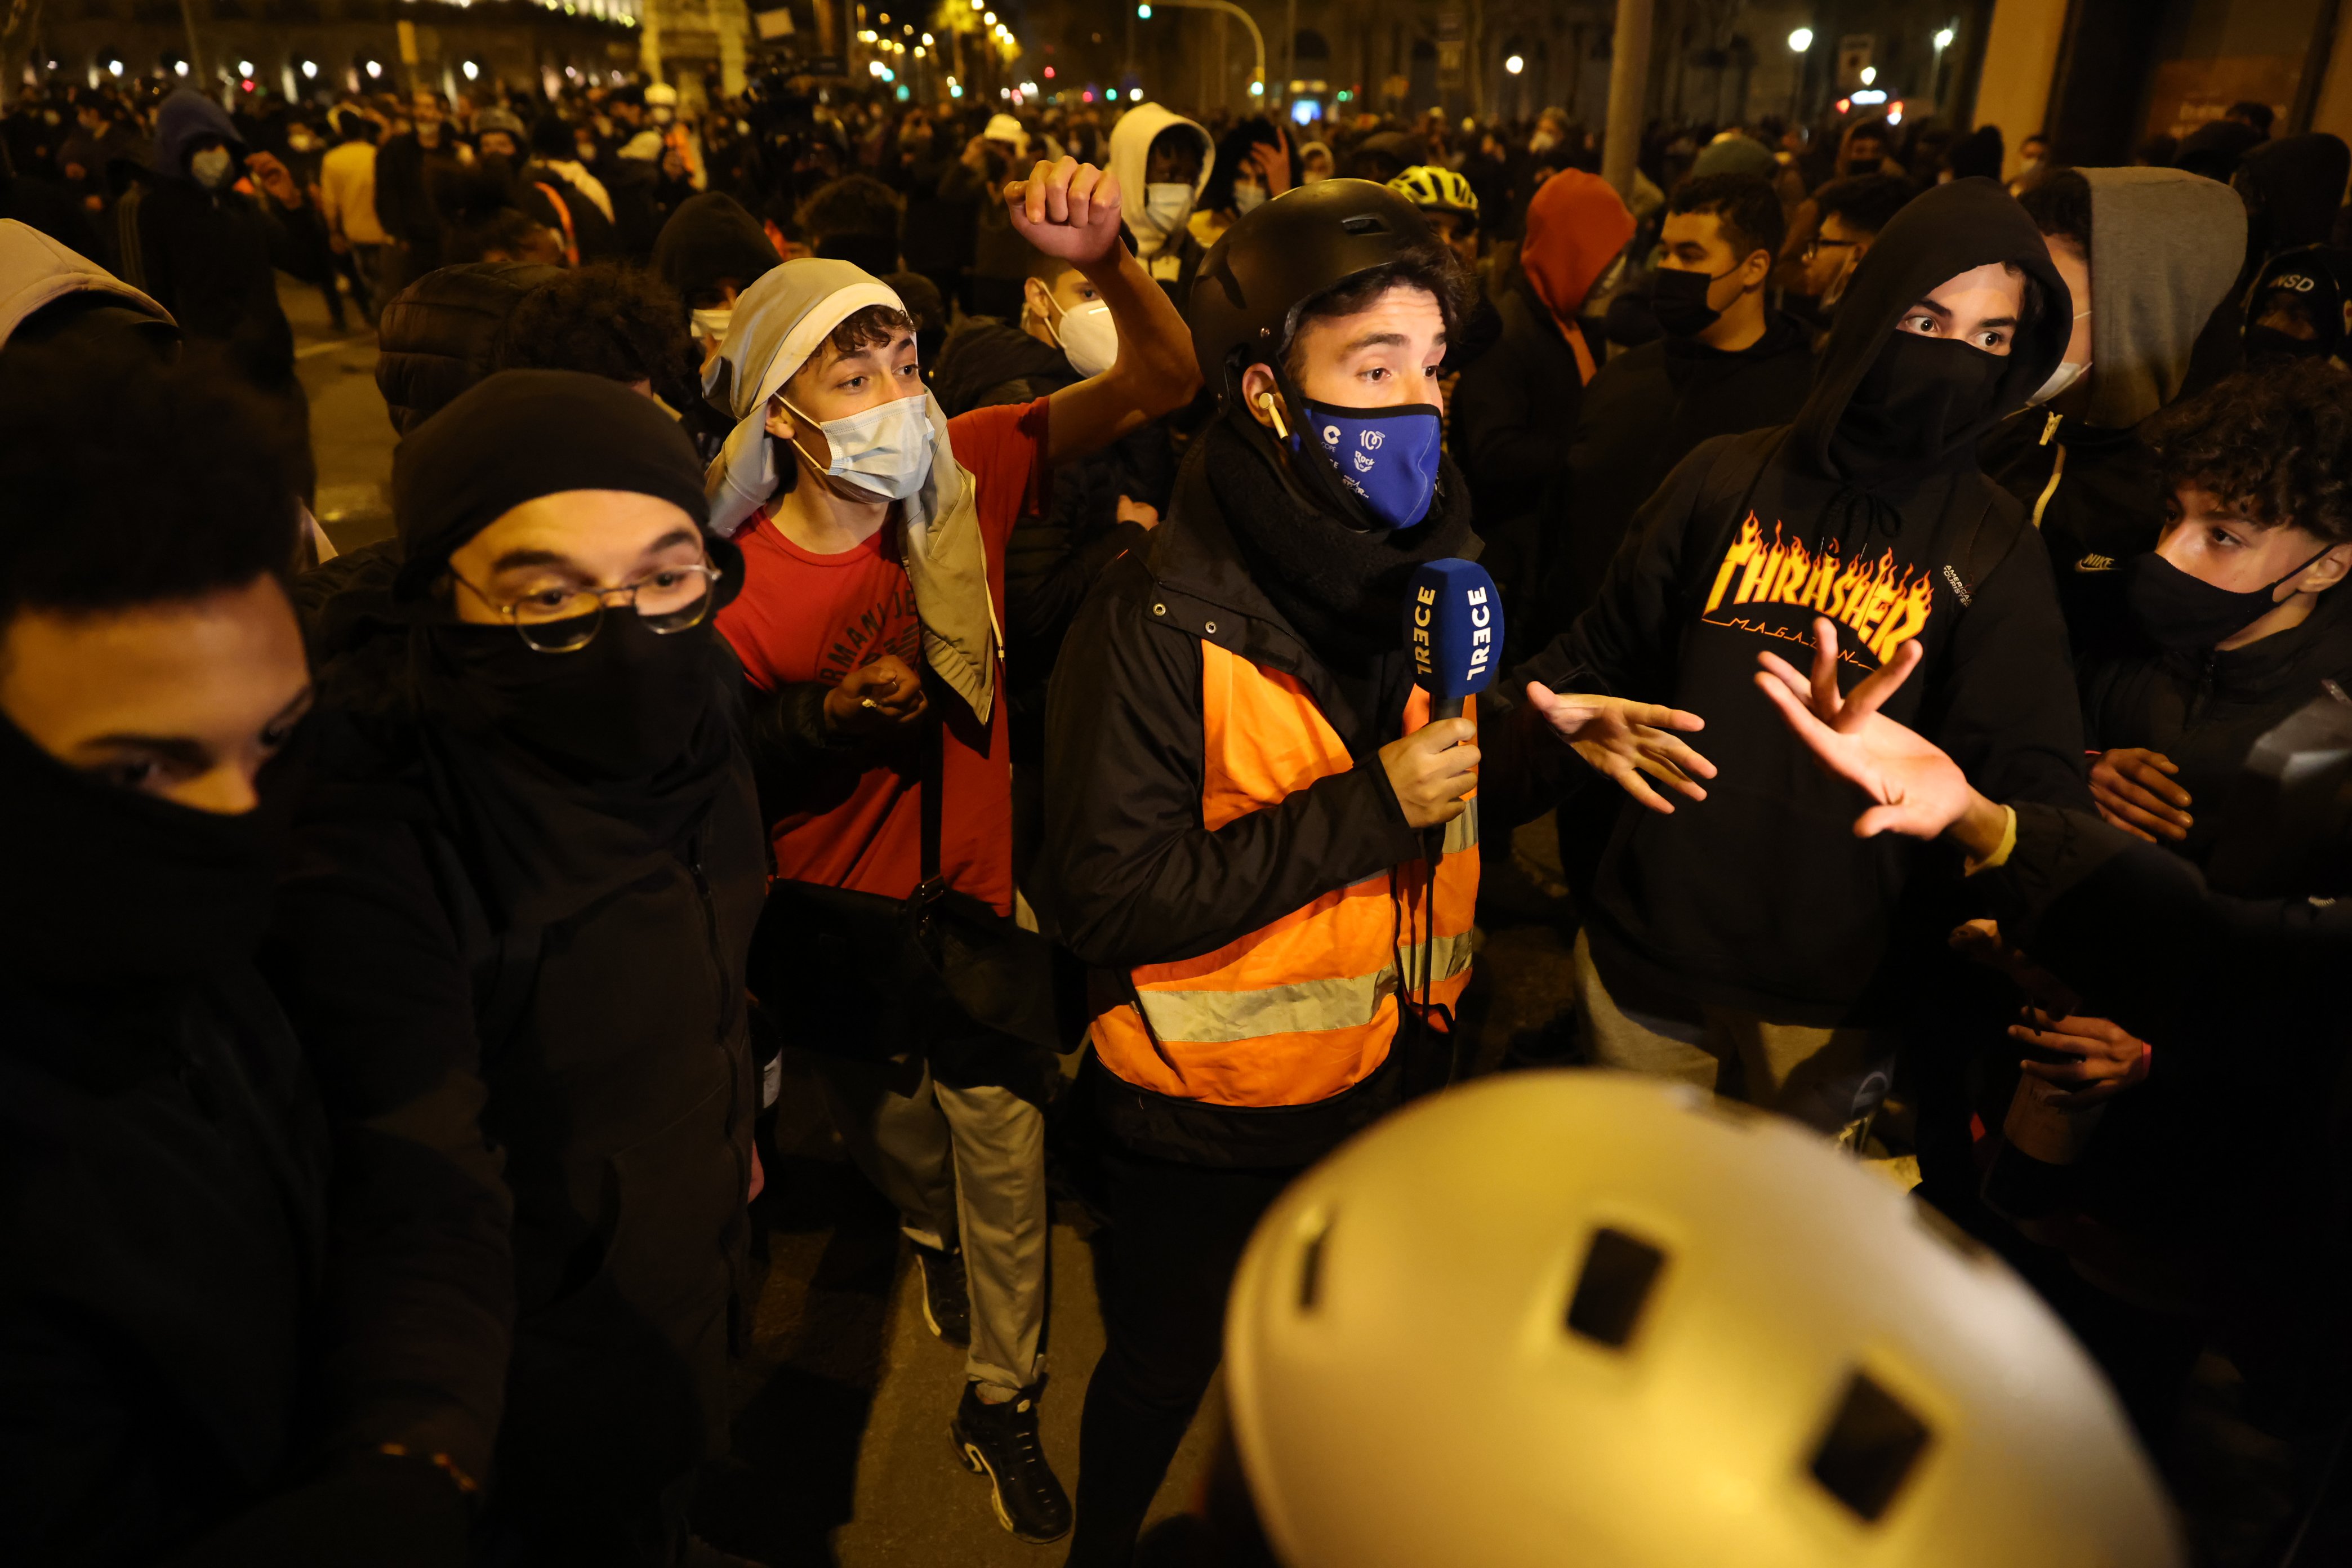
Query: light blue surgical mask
[(887, 449)]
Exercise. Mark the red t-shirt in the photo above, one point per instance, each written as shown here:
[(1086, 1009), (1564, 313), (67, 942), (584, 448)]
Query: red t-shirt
[(804, 616)]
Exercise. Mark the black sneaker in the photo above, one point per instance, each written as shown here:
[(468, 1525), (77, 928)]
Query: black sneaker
[(1000, 1442), (947, 1307)]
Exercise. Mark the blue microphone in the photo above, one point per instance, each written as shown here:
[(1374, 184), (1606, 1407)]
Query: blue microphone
[(1454, 624)]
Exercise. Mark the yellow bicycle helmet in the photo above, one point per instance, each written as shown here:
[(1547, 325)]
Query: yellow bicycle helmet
[(1435, 189)]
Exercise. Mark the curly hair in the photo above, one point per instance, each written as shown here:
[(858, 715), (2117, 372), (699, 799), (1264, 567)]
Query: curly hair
[(2274, 442), (619, 322)]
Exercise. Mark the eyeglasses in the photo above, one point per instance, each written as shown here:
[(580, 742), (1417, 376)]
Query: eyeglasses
[(565, 620), (1816, 245)]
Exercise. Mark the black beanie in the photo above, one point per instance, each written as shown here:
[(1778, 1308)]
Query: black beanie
[(520, 434)]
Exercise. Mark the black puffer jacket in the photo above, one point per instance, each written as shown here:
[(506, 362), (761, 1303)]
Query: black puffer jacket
[(436, 334)]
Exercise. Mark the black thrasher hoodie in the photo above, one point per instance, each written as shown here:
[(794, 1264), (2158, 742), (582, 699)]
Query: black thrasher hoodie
[(1868, 509)]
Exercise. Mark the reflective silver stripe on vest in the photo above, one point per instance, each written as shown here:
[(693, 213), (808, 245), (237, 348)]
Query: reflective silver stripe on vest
[(1462, 833), (1228, 1017)]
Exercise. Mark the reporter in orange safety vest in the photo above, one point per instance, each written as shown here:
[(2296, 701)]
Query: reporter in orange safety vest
[(1246, 794)]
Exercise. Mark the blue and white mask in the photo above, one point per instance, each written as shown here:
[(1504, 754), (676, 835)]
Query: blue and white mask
[(1388, 457)]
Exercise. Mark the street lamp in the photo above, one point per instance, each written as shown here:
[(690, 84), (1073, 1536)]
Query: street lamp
[(1801, 40), (1944, 39), (1869, 75), (1515, 64)]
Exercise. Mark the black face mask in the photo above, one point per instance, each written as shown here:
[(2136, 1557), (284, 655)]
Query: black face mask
[(1678, 300), (114, 886), (2188, 613), (2269, 344), (1919, 398), (624, 706)]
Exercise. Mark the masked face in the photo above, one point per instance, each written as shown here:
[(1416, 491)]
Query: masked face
[(211, 166), (622, 704), (153, 746), (1166, 205), (1088, 336), (2214, 572), (1247, 199), (884, 451), (1696, 281), (1369, 402)]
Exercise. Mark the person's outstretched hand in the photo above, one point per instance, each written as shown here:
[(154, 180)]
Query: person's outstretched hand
[(1067, 209), (1919, 790), (1626, 740)]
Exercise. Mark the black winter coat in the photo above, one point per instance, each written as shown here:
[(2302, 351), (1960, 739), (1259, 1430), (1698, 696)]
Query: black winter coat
[(610, 1037), (1514, 412), (2094, 495), (211, 258), (2204, 710), (189, 1339)]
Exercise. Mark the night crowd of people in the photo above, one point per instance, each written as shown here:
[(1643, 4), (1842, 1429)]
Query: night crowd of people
[(917, 594)]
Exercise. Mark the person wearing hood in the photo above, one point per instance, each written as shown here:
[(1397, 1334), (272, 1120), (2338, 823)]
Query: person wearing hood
[(1727, 362), (241, 1269), (533, 852), (2149, 254), (1258, 839), (1869, 508), (1163, 162), (207, 245), (1516, 409), (877, 531), (2293, 190), (709, 251)]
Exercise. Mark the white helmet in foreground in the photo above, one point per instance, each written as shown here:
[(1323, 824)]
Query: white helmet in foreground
[(1586, 1318)]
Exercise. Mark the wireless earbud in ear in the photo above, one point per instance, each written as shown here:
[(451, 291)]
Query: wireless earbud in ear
[(1273, 406)]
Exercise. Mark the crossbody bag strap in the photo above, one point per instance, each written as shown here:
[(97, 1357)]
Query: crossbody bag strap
[(935, 743)]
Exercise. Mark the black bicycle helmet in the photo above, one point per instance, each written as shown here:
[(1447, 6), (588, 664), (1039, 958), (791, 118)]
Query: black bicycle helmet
[(1274, 260)]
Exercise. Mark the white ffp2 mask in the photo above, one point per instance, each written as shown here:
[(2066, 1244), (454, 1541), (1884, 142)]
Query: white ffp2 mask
[(1090, 338)]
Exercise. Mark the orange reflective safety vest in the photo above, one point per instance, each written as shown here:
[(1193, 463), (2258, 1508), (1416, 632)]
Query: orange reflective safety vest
[(1307, 1007)]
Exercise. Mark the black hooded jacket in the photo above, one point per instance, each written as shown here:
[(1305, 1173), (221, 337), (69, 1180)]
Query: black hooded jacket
[(1645, 411), (1750, 538), (209, 256)]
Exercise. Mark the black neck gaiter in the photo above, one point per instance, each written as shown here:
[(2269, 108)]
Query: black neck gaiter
[(626, 706), (109, 886)]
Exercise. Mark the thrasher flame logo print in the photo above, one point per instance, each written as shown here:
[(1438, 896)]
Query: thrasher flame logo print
[(1882, 605)]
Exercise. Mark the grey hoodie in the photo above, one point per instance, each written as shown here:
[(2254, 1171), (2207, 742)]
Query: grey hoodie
[(2165, 247)]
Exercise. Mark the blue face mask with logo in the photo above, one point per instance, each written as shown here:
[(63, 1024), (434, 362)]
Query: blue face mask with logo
[(1388, 457)]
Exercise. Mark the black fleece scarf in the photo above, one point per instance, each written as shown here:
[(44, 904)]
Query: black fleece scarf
[(1874, 405), (1339, 587), (109, 886)]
